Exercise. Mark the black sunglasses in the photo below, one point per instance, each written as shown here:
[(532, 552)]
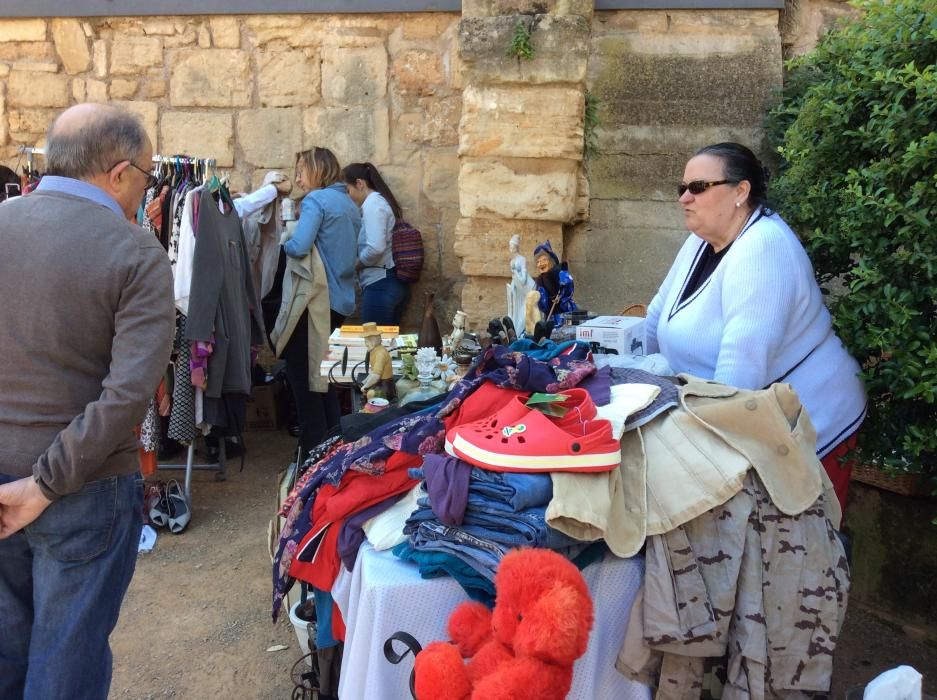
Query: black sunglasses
[(151, 179), (699, 186)]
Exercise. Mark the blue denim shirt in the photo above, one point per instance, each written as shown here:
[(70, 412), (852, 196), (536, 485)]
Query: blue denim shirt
[(330, 220)]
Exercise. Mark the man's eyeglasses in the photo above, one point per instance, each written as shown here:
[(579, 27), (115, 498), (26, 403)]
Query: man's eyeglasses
[(151, 179), (699, 186)]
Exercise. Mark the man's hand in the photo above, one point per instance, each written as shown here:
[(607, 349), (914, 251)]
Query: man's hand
[(21, 502)]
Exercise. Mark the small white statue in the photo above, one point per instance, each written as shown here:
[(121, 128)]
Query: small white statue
[(458, 331), (519, 286)]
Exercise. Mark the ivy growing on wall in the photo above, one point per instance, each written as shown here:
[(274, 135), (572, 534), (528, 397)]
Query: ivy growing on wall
[(591, 122), (520, 47)]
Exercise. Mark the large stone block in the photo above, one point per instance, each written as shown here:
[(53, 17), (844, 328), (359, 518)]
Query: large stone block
[(561, 50), (225, 32), (645, 139), (123, 89), (619, 260), (354, 76), (22, 30), (71, 44), (27, 51), (204, 37), (149, 115), (29, 125), (636, 175), (37, 66), (162, 26), (450, 265), (187, 38), (542, 122), (618, 21), (482, 244), (288, 78), (262, 29), (647, 162), (543, 189), (441, 176), (635, 86), (406, 134), (354, 135), (406, 182), (99, 58), (153, 88), (428, 25), (483, 298), (96, 91), (29, 89), (199, 134), (418, 72), (441, 126), (79, 89), (559, 8), (270, 138), (133, 55), (210, 78)]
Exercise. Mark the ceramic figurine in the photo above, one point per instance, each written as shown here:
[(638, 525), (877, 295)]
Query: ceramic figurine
[(520, 284), (458, 331), (554, 284), (381, 374)]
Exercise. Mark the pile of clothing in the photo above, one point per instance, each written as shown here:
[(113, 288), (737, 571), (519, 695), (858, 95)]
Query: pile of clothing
[(721, 489)]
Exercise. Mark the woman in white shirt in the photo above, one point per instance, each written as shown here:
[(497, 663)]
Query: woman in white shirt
[(741, 304), (384, 297)]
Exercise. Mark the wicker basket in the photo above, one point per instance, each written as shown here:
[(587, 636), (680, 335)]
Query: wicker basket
[(904, 484)]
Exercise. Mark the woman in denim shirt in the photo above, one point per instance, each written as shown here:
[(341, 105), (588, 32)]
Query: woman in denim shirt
[(328, 220)]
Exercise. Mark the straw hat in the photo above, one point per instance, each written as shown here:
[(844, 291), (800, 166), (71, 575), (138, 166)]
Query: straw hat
[(370, 329)]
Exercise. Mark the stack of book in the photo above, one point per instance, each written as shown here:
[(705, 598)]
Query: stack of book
[(351, 339)]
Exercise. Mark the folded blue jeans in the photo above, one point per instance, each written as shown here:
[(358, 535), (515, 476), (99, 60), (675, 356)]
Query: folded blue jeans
[(62, 581)]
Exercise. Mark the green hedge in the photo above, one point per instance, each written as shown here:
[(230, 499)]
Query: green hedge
[(855, 135)]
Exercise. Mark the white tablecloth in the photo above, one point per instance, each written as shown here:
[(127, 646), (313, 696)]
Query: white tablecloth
[(384, 595)]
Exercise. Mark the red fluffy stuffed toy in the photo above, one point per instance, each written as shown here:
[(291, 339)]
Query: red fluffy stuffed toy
[(525, 648)]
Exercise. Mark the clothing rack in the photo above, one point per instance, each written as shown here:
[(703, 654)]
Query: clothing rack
[(218, 466), (182, 160)]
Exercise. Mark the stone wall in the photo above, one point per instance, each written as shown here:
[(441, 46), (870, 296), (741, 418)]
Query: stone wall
[(667, 83), (251, 91), (477, 145)]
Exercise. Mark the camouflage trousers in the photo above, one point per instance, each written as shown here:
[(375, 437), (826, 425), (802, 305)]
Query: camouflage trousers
[(746, 583)]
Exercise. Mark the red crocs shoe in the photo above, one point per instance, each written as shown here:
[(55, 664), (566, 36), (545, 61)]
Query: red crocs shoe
[(579, 405), (536, 443)]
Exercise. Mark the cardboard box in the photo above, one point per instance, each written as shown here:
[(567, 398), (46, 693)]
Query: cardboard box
[(623, 334), (264, 407)]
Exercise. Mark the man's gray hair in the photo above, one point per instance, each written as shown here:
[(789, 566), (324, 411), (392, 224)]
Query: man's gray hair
[(106, 136)]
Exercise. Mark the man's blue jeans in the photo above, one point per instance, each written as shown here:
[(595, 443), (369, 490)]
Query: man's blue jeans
[(62, 581)]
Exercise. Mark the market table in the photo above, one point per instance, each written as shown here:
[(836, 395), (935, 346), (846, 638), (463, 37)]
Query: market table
[(384, 595)]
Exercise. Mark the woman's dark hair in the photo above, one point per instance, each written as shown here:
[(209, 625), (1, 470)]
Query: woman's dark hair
[(372, 178), (739, 163)]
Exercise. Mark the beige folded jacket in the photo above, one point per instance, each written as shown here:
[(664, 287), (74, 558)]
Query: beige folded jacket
[(305, 288), (690, 460)]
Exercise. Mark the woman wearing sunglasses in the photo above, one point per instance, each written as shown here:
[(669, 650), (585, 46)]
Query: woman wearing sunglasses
[(741, 305)]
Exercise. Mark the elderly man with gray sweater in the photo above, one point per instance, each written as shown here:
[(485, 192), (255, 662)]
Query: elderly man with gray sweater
[(86, 322)]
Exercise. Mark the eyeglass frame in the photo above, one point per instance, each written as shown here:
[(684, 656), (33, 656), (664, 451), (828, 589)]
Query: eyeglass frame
[(151, 179), (697, 187)]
